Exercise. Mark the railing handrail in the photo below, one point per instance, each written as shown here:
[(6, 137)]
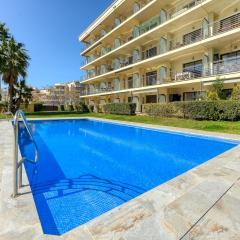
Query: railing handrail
[(17, 165), (18, 114)]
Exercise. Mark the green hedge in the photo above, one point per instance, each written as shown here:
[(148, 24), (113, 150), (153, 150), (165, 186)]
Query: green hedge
[(51, 113), (82, 107), (199, 110), (120, 108), (3, 106)]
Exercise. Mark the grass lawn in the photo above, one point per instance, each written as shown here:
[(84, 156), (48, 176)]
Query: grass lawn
[(219, 126)]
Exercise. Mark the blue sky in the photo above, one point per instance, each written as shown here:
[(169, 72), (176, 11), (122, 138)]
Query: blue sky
[(50, 30)]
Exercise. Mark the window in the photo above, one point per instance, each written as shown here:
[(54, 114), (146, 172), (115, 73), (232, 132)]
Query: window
[(130, 60), (229, 62), (174, 97), (151, 99), (195, 67), (233, 57), (192, 96), (192, 37), (151, 78), (151, 52), (130, 82)]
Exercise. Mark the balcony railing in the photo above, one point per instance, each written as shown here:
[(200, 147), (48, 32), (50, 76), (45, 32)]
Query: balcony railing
[(219, 68), (155, 22), (181, 8), (198, 35), (125, 18)]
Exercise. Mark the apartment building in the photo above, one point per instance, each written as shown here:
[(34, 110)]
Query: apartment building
[(59, 94), (161, 51)]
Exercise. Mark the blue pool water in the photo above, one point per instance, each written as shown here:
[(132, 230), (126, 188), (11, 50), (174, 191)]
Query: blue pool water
[(87, 167)]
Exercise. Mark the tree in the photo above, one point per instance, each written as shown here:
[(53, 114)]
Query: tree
[(236, 93), (4, 32), (14, 62), (22, 95), (216, 92)]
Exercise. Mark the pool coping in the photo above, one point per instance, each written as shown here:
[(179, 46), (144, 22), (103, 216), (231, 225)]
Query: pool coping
[(169, 211)]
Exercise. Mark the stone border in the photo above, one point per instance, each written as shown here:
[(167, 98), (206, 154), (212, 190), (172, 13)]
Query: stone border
[(169, 211)]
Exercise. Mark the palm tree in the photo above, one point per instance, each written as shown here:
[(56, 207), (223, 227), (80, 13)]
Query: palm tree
[(23, 94), (4, 34), (14, 61)]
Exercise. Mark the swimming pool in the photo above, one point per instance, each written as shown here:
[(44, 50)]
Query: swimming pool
[(88, 167)]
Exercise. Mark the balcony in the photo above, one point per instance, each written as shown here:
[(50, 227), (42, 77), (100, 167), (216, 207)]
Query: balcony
[(126, 16), (210, 30), (155, 22), (181, 8), (219, 68)]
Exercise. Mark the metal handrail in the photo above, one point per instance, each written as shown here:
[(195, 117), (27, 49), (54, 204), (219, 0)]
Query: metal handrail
[(17, 166)]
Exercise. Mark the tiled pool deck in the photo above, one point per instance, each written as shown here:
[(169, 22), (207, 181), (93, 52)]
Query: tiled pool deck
[(202, 204)]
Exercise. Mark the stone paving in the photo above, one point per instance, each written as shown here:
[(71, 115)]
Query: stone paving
[(202, 204)]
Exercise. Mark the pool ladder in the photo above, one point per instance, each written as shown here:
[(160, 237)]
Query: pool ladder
[(17, 165)]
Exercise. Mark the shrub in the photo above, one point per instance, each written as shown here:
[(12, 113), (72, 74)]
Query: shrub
[(90, 108), (70, 108), (82, 107), (199, 110), (120, 108), (3, 107), (38, 107), (61, 108), (236, 93)]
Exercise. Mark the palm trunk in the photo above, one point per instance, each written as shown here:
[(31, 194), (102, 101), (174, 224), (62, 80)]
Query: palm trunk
[(10, 98)]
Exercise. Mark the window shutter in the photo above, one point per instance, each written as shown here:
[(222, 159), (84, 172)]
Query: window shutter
[(206, 65), (116, 84), (163, 45), (103, 32), (136, 7), (162, 74), (136, 31), (117, 43), (135, 55), (136, 80), (162, 98), (205, 27), (163, 16), (117, 22)]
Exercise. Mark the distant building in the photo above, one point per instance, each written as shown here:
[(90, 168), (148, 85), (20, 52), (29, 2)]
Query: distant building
[(4, 95), (59, 94)]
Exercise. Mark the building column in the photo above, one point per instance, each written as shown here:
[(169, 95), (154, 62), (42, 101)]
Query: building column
[(211, 19)]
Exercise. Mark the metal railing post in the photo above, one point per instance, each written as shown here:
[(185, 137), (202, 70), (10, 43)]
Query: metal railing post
[(20, 176), (15, 161)]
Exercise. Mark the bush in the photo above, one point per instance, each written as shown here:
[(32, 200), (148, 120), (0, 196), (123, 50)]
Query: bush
[(61, 108), (82, 107), (70, 108), (199, 110), (90, 108), (51, 113), (120, 108), (38, 107), (3, 107)]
